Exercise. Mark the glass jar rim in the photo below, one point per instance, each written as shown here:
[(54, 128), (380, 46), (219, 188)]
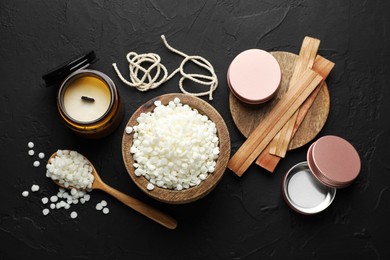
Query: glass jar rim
[(78, 74)]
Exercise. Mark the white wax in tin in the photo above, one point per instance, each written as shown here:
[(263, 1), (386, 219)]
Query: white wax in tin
[(305, 190), (86, 111)]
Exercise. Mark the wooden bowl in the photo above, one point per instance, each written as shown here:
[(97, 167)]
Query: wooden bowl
[(193, 193)]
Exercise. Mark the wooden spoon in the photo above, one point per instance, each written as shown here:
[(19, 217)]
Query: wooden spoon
[(133, 203)]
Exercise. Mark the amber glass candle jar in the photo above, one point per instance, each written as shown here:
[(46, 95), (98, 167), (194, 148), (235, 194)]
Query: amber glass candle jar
[(89, 103)]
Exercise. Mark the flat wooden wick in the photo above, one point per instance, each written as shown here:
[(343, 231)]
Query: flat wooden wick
[(323, 67), (87, 99), (305, 60)]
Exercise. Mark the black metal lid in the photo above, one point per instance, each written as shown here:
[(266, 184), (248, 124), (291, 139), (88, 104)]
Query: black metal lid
[(59, 74)]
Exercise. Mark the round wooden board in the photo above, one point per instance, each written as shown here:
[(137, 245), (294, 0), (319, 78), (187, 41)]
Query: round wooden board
[(247, 117), (193, 193)]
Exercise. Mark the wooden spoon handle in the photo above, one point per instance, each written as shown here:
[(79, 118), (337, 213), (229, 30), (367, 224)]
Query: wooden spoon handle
[(141, 207)]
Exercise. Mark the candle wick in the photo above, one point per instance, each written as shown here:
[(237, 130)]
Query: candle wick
[(87, 99)]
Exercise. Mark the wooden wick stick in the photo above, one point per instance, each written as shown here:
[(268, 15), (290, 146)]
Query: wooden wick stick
[(305, 61), (87, 99), (323, 67)]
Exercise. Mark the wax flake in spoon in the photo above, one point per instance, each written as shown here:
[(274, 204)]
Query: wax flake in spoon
[(62, 199), (70, 169), (76, 172)]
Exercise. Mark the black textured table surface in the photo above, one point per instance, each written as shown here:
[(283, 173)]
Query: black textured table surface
[(242, 218)]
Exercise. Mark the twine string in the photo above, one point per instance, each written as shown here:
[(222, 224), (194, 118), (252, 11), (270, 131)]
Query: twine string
[(149, 63)]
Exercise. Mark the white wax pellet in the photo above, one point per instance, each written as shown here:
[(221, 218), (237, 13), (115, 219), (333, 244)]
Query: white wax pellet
[(176, 100), (45, 200), (67, 206), (31, 152), (87, 197), (36, 164), (34, 188), (41, 155), (45, 211), (80, 194), (73, 191), (52, 206), (99, 206), (30, 144), (82, 200), (25, 193), (53, 198), (139, 172), (106, 210), (150, 186), (128, 130), (73, 214), (103, 203), (157, 103)]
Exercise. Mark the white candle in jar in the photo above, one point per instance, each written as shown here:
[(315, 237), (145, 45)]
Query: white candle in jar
[(86, 99)]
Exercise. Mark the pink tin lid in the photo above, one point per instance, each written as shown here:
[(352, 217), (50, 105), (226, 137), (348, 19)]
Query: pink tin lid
[(334, 161), (254, 76)]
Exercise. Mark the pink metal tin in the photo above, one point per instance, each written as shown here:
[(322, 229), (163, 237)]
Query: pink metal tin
[(334, 161), (310, 187), (254, 76)]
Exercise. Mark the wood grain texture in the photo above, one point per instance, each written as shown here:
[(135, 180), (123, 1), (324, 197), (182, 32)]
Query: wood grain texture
[(320, 106), (305, 60), (193, 193), (319, 109), (247, 117), (323, 67), (137, 205), (275, 120)]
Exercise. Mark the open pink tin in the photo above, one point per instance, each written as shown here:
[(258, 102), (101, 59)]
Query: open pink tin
[(254, 76), (332, 163)]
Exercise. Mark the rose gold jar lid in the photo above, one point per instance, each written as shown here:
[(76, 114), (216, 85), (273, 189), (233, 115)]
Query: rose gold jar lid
[(254, 76), (334, 161)]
